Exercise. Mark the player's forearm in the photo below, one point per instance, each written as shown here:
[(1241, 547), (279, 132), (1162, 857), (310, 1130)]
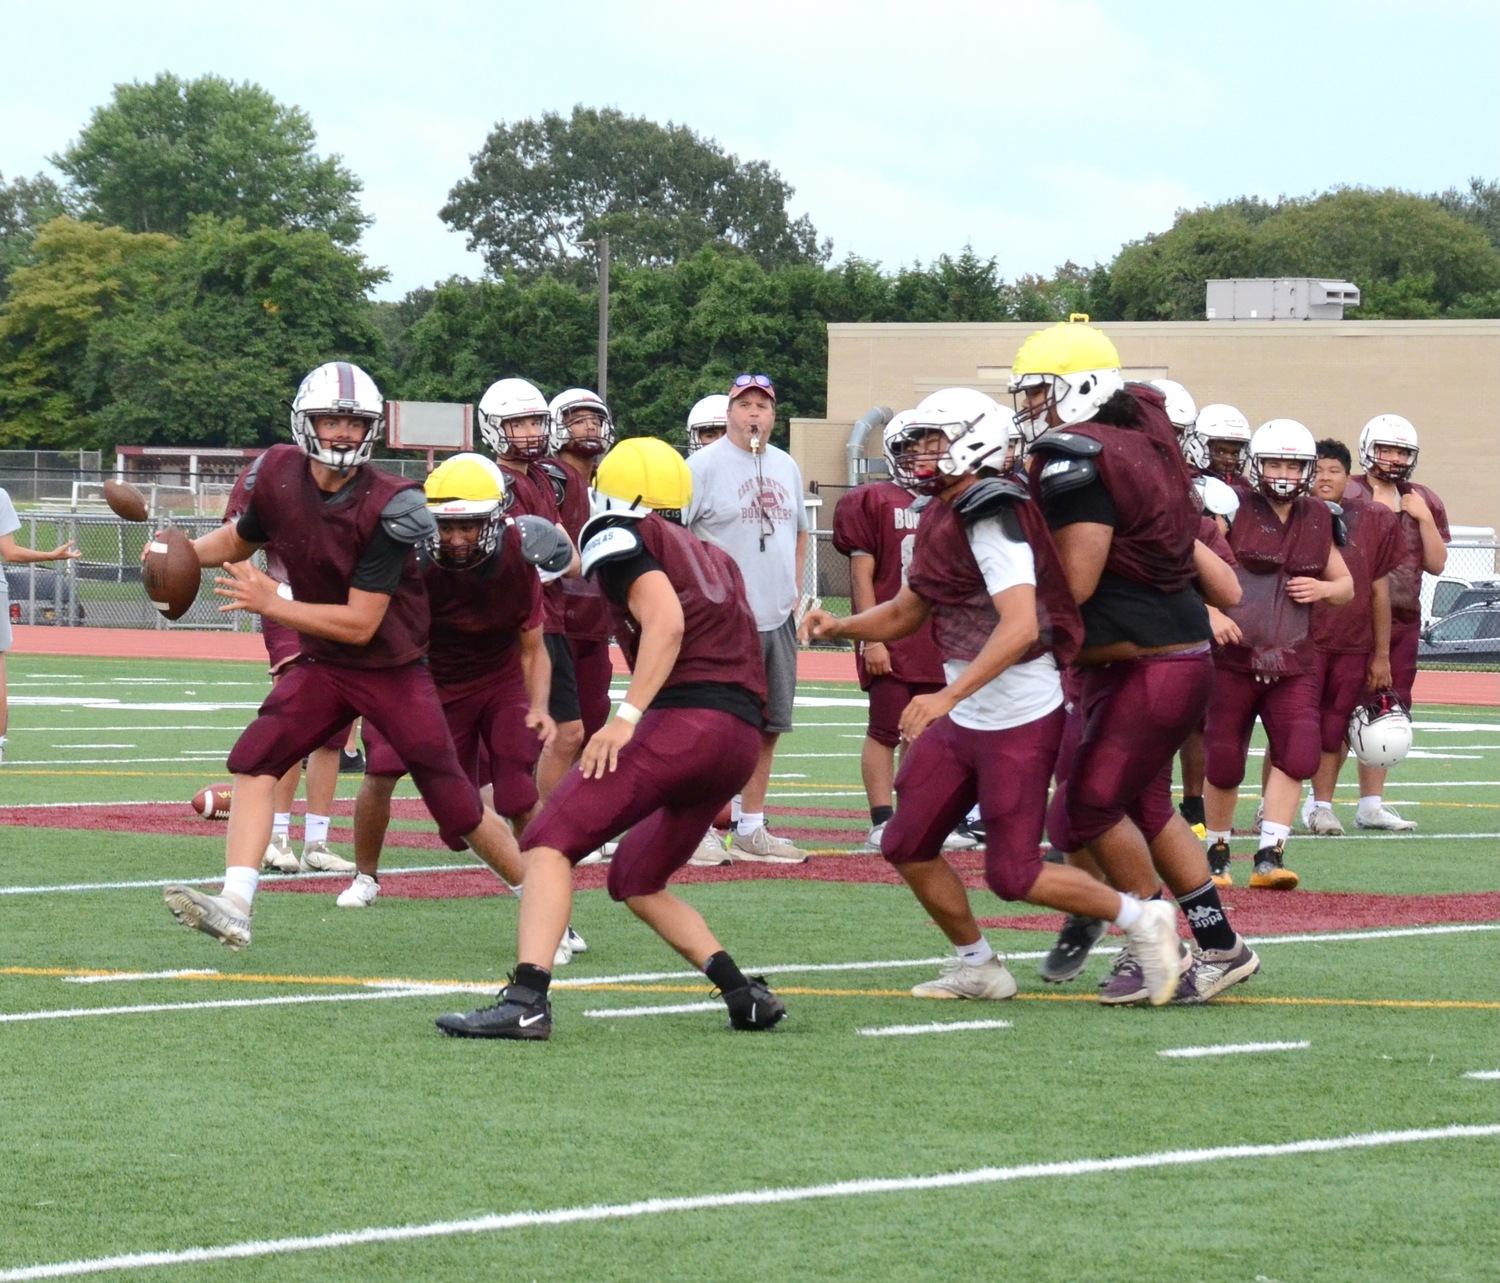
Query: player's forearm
[(1434, 550), (889, 621), (654, 659), (1380, 617), (536, 669), (348, 624), (222, 545)]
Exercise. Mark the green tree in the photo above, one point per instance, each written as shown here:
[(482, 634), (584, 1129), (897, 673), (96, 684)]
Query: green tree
[(163, 152), (1409, 255), (25, 204), (1479, 205), (542, 190)]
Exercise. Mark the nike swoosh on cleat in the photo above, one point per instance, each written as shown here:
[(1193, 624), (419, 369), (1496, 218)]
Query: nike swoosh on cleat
[(527, 1021)]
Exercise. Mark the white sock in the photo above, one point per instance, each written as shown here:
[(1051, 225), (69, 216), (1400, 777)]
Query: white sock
[(1217, 835), (976, 954), (316, 828), (734, 809), (1272, 834), (281, 824), (241, 882), (748, 822), (1129, 914), (1369, 805), (1321, 806)]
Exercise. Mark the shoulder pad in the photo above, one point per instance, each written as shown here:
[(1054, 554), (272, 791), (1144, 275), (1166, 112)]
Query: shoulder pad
[(1069, 443), (1058, 476), (1340, 526), (612, 543), (557, 474), (920, 502), (994, 497), (252, 473), (405, 517), (544, 545)]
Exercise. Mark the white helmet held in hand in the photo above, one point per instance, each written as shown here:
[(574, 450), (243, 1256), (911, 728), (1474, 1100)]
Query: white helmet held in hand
[(1380, 730), (337, 388), (515, 420), (1388, 430), (1288, 440), (711, 414), (565, 408)]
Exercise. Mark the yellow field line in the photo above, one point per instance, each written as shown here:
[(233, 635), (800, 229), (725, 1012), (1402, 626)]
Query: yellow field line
[(615, 986)]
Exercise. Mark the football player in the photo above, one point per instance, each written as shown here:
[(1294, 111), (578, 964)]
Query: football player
[(707, 421), (1388, 450), (985, 571), (1219, 445), (1264, 658), (696, 684), (345, 534), (1111, 480)]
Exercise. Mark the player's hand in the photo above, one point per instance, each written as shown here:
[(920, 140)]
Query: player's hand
[(1306, 589), (538, 720), (602, 753), (817, 624), (1226, 631), (245, 588), (1378, 677), (923, 711), (1415, 506), (68, 552), (877, 659)]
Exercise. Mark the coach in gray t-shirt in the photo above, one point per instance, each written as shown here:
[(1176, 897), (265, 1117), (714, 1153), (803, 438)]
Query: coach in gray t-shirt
[(747, 499)]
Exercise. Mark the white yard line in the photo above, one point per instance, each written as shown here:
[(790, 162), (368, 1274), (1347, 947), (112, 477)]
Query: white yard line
[(1231, 1049), (140, 975), (1484, 1075), (676, 1009), (866, 1188), (289, 1000), (266, 878), (936, 1027)]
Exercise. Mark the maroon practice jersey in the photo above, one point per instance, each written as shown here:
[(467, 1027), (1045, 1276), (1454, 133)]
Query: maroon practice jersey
[(945, 574), (478, 615), (1277, 640), (575, 605), (1374, 549), (319, 539), (877, 519), (1212, 538), (720, 642), (282, 643), (1406, 579)]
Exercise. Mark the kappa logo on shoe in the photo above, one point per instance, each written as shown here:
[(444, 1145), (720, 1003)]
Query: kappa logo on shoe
[(527, 1021)]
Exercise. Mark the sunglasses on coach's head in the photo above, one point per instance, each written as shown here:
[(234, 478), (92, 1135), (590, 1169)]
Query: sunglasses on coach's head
[(754, 380)]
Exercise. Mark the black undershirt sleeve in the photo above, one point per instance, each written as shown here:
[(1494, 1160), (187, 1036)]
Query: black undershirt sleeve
[(248, 526), (1091, 503), (615, 577), (380, 565)]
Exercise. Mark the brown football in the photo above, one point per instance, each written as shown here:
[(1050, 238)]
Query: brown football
[(212, 803), (171, 572), (125, 500)]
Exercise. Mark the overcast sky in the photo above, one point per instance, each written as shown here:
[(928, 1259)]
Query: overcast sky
[(1038, 131)]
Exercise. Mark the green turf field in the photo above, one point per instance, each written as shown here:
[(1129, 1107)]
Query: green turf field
[(172, 1110)]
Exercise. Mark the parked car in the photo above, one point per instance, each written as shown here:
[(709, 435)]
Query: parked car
[(41, 596), (1469, 636), (1450, 594)]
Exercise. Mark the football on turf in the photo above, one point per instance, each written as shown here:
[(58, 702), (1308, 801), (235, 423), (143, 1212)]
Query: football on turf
[(125, 500), (171, 572), (212, 803)]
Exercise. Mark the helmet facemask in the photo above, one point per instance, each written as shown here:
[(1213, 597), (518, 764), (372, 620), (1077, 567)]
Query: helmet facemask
[(1394, 473), (503, 436), (339, 458), (1282, 489)]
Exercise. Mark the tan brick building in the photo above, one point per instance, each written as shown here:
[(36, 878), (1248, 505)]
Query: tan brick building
[(1332, 375)]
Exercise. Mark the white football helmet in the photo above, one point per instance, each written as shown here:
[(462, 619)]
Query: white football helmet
[(515, 420), (1182, 410), (563, 407), (1231, 430), (1388, 429), (1282, 439), (337, 388), (711, 414), (980, 435), (1380, 730), (1217, 497)]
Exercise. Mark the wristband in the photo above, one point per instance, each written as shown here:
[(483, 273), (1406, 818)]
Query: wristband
[(628, 713)]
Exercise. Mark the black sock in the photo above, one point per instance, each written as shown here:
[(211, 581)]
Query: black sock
[(534, 978), (1191, 810), (726, 976), (880, 814), (1205, 916)]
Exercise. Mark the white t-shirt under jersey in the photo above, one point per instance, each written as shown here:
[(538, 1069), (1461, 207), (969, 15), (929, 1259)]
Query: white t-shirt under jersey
[(1023, 692)]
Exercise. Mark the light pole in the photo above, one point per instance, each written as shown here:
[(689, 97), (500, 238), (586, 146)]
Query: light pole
[(603, 247)]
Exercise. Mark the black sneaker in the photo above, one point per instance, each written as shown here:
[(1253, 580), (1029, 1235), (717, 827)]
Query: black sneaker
[(1270, 874), (351, 762), (520, 1013), (754, 1006), (1191, 810), (1068, 956), (1218, 864)]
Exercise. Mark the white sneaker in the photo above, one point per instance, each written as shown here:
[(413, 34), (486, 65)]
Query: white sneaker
[(219, 916), (1260, 816), (872, 838), (317, 858), (710, 853), (1154, 945), (279, 857), (763, 847), (564, 954), (596, 856), (575, 942), (359, 894), (609, 848), (1324, 823), (959, 979), (1383, 818)]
